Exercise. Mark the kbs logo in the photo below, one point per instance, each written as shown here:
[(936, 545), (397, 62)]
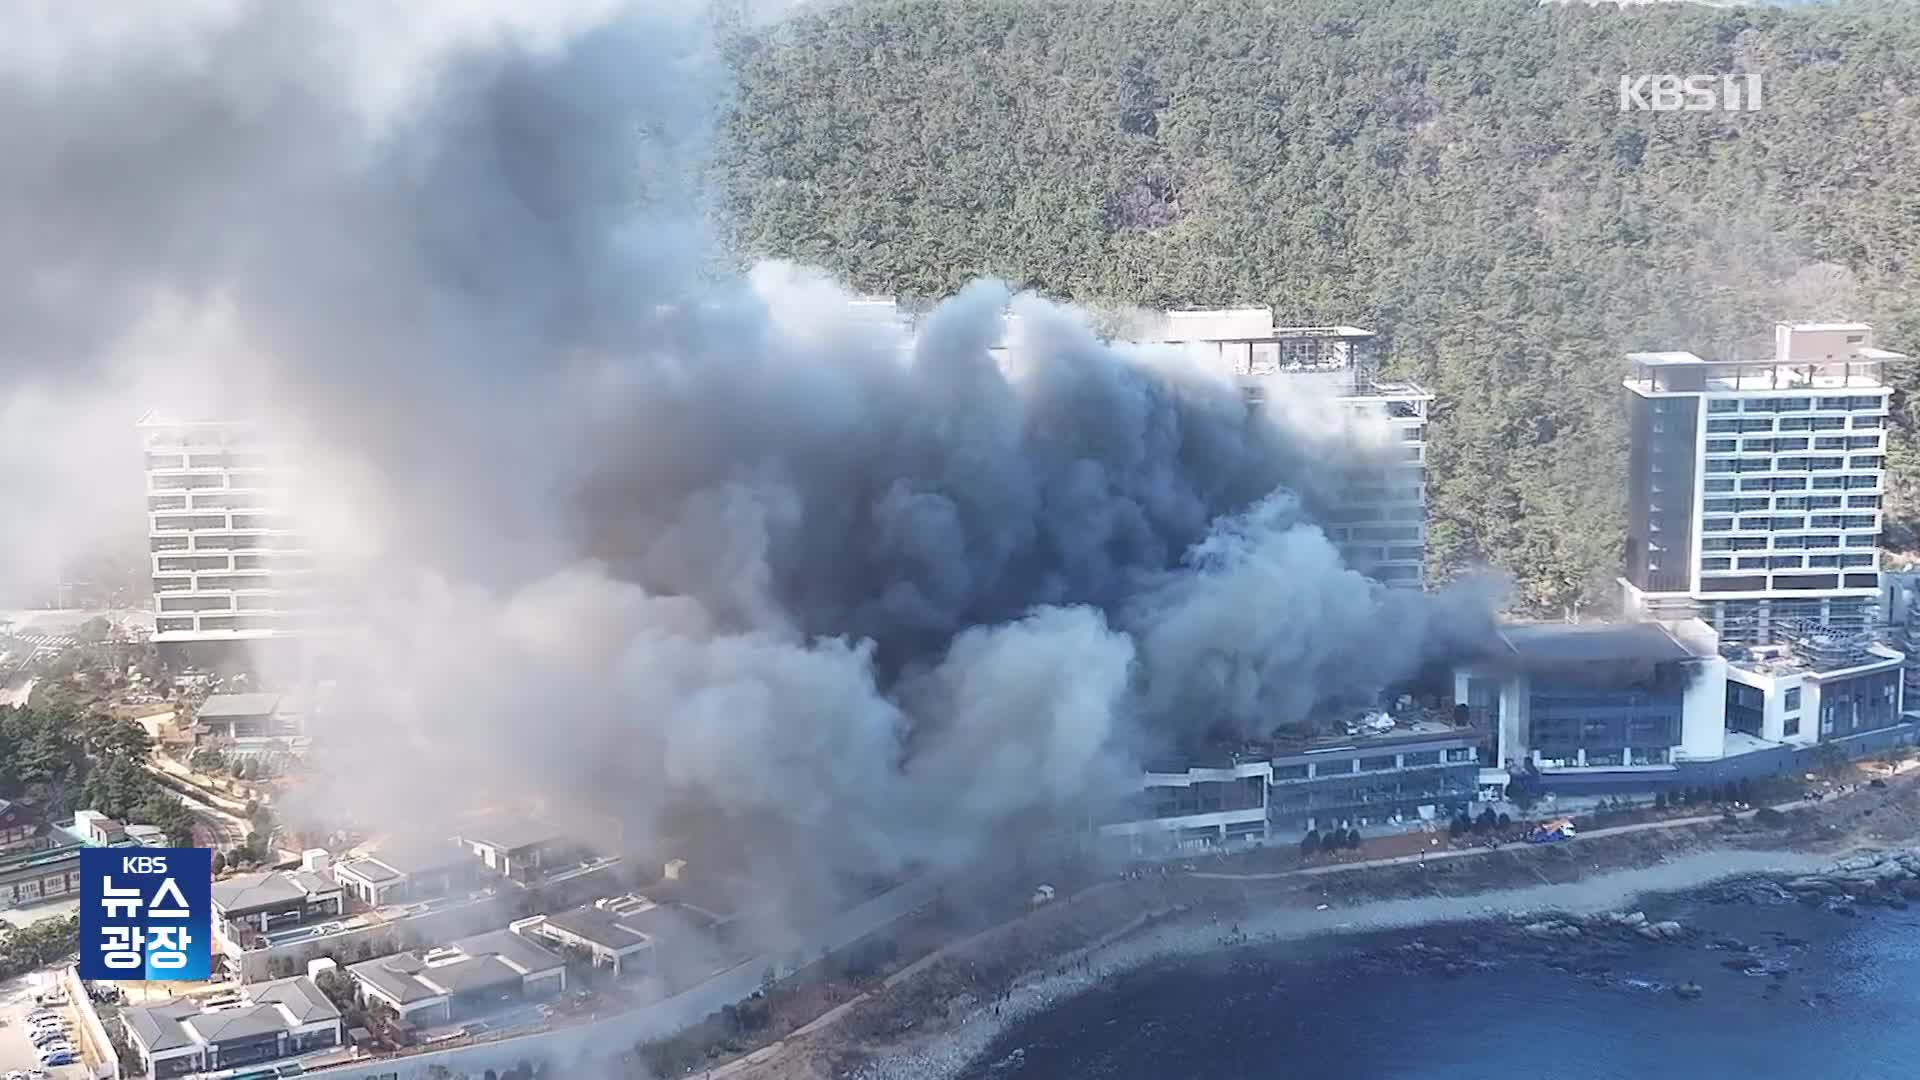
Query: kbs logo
[(146, 913), (1693, 93)]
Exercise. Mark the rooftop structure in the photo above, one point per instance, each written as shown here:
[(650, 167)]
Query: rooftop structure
[(1381, 524), (410, 871), (626, 934), (1755, 486), (461, 978), (273, 1020)]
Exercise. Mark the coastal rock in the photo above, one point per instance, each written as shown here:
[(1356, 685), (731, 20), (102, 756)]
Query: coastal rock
[(1669, 929), (1688, 991), (1814, 883)]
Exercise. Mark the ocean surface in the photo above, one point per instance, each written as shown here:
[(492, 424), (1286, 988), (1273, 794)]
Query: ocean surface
[(1830, 995)]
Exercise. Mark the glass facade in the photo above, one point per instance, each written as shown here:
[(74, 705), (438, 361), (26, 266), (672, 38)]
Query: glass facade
[(1581, 725), (1852, 706), (1366, 787)]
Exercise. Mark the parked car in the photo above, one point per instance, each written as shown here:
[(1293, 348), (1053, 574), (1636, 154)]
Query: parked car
[(57, 1057), (43, 1039)]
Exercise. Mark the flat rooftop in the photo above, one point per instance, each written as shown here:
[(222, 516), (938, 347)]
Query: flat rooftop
[(1592, 643)]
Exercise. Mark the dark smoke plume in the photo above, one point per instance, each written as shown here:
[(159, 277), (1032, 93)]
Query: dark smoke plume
[(654, 543)]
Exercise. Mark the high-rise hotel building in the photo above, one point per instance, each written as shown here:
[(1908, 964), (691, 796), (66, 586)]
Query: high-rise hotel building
[(229, 569), (1380, 524), (1755, 486)]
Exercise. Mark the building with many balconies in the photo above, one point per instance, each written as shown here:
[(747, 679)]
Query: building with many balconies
[(229, 567), (1755, 486)]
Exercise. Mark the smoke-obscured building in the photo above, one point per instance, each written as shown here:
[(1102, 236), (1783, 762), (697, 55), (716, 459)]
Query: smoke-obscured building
[(1381, 523), (1755, 486), (229, 568)]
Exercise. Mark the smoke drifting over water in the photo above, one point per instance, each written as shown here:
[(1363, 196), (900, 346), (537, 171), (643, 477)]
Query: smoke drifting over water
[(653, 542)]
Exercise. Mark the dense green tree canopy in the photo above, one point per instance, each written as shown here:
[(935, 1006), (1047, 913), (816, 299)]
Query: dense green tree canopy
[(1456, 174)]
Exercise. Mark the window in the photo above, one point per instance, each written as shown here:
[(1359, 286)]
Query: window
[(1719, 563), (1719, 485), (1791, 727), (1723, 405), (1864, 461), (1791, 702), (1377, 763), (1823, 562), (1716, 525), (1830, 442), (1863, 502), (1829, 423), (1860, 481), (1795, 423), (1868, 421), (1726, 446), (1835, 403)]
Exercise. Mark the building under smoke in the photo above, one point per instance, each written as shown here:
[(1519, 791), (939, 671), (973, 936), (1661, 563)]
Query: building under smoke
[(232, 575)]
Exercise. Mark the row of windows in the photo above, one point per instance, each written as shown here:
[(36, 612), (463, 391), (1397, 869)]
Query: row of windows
[(1774, 446), (1817, 463), (1818, 521), (1851, 560), (1792, 502), (1723, 484), (1814, 541), (1794, 404), (1788, 562)]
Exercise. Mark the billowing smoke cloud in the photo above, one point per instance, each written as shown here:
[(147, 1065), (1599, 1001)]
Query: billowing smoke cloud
[(655, 542)]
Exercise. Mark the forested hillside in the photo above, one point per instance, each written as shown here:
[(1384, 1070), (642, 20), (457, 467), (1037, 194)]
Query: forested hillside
[(1454, 173)]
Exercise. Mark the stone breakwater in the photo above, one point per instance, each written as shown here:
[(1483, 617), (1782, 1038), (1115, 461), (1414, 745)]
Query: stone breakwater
[(1884, 878)]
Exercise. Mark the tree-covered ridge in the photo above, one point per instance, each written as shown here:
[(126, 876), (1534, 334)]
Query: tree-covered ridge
[(1455, 174)]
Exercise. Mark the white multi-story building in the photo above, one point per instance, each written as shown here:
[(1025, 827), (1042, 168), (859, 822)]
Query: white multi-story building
[(1755, 486), (1380, 523), (228, 566)]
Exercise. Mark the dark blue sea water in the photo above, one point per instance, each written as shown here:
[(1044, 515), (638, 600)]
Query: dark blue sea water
[(1372, 1007)]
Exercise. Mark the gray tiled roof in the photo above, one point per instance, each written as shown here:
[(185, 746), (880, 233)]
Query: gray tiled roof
[(495, 958), (302, 999), (227, 1025), (252, 892), (156, 1028), (393, 976), (470, 974), (510, 834), (517, 951), (599, 926), (237, 706)]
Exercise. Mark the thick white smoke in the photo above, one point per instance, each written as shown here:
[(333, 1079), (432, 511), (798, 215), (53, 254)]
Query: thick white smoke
[(650, 540)]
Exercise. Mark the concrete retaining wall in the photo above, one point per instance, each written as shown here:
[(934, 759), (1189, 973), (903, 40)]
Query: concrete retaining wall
[(98, 1044)]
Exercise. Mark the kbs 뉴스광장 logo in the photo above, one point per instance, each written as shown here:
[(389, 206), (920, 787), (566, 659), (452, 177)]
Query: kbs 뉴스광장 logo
[(146, 913)]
